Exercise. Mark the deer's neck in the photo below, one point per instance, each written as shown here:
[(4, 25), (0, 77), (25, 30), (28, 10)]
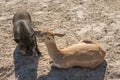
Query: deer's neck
[(52, 49)]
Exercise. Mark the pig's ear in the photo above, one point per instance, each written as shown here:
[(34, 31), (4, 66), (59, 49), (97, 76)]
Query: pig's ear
[(16, 40)]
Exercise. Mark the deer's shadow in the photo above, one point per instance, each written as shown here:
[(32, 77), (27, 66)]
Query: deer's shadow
[(76, 73), (26, 69), (25, 66)]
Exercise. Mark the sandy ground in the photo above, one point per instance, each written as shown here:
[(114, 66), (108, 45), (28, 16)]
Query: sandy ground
[(98, 20)]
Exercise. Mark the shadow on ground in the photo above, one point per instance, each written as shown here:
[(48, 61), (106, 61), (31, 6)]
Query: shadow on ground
[(76, 74), (25, 66), (26, 69)]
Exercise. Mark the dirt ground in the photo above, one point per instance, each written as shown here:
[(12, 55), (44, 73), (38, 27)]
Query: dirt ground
[(98, 20)]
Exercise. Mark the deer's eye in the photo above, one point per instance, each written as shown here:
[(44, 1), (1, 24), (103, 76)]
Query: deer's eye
[(48, 38)]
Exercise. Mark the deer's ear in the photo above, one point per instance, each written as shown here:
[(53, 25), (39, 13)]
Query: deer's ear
[(59, 35), (37, 32)]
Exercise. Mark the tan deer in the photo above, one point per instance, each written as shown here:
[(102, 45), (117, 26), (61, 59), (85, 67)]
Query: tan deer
[(86, 54)]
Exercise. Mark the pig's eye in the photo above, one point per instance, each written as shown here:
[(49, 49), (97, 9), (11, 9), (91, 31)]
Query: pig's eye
[(41, 35), (16, 40)]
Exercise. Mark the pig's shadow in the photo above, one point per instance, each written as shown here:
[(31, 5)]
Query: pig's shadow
[(76, 74), (25, 66)]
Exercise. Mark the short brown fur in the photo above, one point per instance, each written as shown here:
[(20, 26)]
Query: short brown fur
[(86, 54)]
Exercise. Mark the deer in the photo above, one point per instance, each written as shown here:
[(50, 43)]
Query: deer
[(86, 54), (24, 33)]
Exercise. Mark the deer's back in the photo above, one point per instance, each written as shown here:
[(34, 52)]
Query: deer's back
[(84, 55)]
